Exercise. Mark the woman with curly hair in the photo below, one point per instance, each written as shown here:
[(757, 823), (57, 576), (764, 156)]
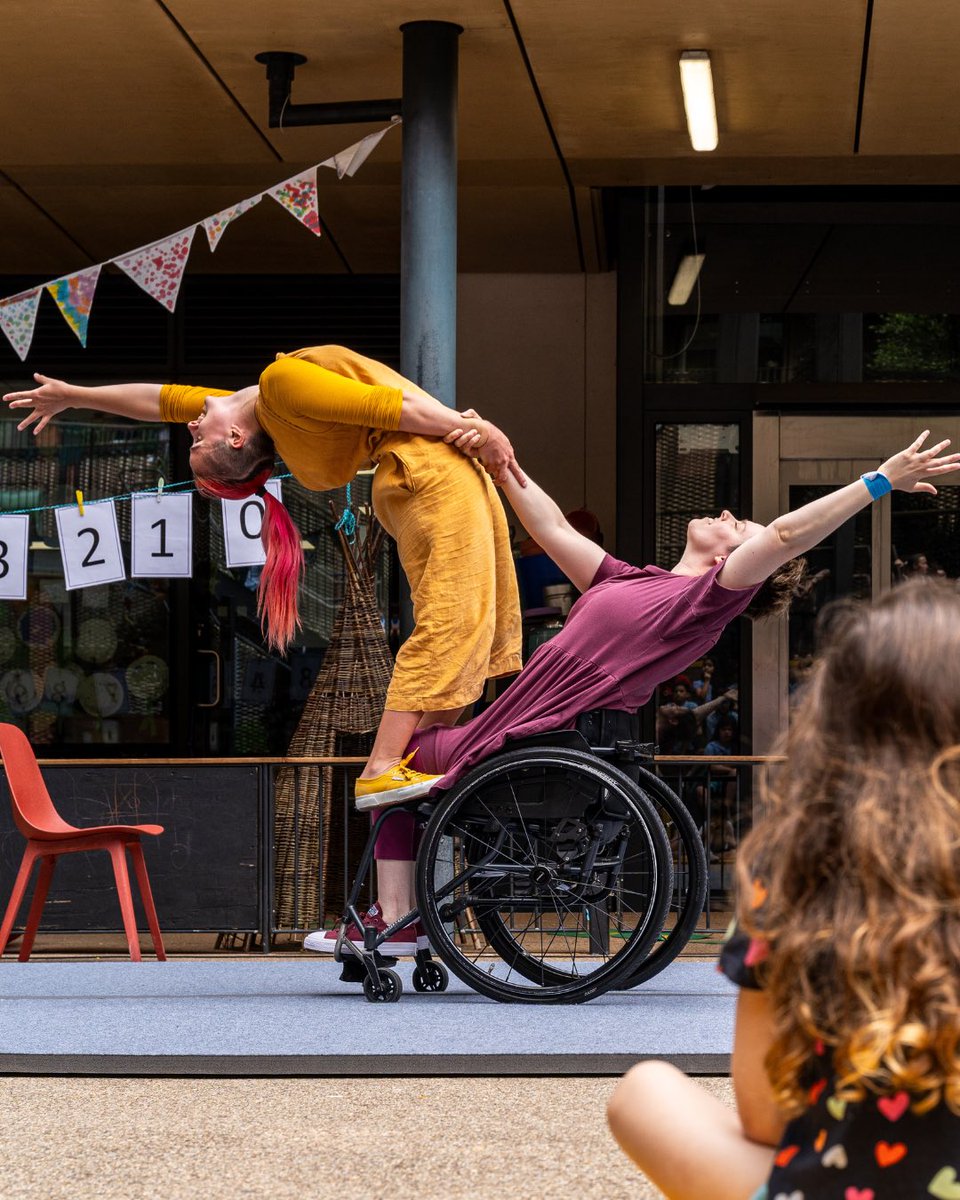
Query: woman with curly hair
[(846, 1061)]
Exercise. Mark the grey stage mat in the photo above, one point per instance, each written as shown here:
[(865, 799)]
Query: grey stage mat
[(283, 1017)]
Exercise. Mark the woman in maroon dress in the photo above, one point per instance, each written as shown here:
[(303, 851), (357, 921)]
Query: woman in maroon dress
[(635, 627)]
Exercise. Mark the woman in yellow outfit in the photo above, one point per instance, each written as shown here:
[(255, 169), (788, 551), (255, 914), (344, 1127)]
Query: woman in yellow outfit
[(328, 413)]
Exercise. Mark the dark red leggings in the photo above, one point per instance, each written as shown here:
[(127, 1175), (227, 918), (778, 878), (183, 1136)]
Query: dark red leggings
[(398, 838)]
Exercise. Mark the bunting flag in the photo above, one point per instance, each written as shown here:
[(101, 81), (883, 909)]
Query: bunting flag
[(74, 297), (216, 224), (18, 315), (158, 268), (349, 161), (299, 196)]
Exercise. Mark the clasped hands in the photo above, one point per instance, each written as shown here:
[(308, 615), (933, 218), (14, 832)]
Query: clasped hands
[(490, 446)]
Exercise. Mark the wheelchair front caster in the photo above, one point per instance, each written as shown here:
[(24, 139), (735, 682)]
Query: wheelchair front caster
[(430, 977), (388, 989)]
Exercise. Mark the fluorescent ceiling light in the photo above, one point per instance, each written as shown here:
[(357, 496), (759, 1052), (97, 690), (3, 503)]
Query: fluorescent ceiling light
[(685, 278), (696, 80)]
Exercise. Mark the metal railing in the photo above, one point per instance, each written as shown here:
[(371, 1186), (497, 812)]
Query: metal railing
[(316, 823)]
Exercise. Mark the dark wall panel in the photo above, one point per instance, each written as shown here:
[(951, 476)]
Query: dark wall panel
[(204, 868)]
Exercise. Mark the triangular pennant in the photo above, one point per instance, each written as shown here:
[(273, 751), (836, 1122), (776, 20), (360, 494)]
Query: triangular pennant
[(216, 224), (299, 196), (18, 315), (158, 268), (74, 297), (349, 161)]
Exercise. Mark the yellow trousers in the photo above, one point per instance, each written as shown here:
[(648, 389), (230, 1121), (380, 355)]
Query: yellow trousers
[(454, 546)]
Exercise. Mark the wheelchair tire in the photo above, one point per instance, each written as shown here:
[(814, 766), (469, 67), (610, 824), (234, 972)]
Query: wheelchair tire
[(431, 977), (389, 991), (691, 874), (555, 862)]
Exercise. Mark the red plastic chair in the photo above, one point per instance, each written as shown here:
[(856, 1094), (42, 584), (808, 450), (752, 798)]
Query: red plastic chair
[(48, 836)]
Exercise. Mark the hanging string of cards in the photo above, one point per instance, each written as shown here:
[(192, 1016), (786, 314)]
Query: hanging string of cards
[(159, 266), (161, 541)]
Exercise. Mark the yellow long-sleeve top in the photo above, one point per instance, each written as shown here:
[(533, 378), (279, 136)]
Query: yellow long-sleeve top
[(327, 409)]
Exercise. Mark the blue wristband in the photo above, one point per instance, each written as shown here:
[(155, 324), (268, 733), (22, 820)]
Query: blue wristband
[(877, 483)]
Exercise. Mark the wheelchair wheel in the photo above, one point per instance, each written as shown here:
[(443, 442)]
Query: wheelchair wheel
[(389, 989), (691, 873), (544, 876)]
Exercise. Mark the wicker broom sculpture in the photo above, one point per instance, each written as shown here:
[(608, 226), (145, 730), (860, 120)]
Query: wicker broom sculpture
[(339, 719)]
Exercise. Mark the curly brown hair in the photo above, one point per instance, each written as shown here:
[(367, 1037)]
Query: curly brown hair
[(856, 858), (778, 590)]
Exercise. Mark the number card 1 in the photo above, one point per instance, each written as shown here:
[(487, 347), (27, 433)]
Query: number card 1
[(242, 521), (14, 543), (161, 538), (90, 545)]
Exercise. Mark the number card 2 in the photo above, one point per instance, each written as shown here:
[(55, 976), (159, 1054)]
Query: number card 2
[(161, 538), (14, 543), (242, 521), (90, 545)]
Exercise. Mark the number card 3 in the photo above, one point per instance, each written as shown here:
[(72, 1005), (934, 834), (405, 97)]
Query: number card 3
[(90, 545), (161, 539), (14, 542), (242, 521)]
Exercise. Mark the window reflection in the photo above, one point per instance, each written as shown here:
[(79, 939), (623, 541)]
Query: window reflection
[(698, 474), (89, 667), (925, 532)]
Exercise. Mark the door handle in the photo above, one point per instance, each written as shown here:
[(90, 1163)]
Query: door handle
[(217, 678)]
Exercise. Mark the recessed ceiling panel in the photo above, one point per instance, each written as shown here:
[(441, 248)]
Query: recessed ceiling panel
[(912, 92), (786, 75)]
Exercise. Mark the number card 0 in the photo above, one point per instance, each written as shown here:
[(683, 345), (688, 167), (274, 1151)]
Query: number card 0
[(14, 542), (90, 545), (242, 520), (161, 538)]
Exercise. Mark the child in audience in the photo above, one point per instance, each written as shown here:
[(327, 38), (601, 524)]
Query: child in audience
[(846, 1060)]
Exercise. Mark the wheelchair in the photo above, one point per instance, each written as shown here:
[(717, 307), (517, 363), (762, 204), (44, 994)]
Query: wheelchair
[(556, 870)]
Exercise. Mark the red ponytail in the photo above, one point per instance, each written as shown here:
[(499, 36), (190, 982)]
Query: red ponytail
[(283, 570)]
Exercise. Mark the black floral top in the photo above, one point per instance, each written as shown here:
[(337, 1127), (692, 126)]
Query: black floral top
[(875, 1149)]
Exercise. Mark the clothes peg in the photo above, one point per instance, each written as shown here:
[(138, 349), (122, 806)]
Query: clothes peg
[(160, 482), (80, 501)]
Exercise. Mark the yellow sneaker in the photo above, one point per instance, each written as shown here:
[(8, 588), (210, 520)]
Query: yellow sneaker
[(399, 784)]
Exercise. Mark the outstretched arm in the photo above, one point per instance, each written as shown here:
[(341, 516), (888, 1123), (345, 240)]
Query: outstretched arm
[(576, 556), (798, 531), (140, 401)]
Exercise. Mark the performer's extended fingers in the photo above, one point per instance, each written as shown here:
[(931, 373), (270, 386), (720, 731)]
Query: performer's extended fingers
[(920, 440), (933, 451), (517, 472)]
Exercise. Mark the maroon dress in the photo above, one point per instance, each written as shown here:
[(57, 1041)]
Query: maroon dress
[(632, 629)]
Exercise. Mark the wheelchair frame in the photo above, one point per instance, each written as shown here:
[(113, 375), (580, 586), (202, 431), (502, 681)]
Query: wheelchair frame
[(607, 739)]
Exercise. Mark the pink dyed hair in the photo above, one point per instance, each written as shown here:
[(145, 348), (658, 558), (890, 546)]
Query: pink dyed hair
[(283, 570)]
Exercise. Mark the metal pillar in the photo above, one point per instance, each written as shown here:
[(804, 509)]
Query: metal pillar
[(428, 220), (428, 228)]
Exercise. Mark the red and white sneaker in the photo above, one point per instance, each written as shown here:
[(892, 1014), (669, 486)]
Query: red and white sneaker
[(403, 943)]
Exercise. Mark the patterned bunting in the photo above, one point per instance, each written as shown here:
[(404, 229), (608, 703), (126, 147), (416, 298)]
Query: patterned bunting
[(158, 268), (74, 297), (349, 161), (216, 224), (299, 196), (18, 315)]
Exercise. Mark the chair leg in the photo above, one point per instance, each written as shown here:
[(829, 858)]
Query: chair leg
[(146, 895), (44, 875), (125, 897), (16, 895)]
